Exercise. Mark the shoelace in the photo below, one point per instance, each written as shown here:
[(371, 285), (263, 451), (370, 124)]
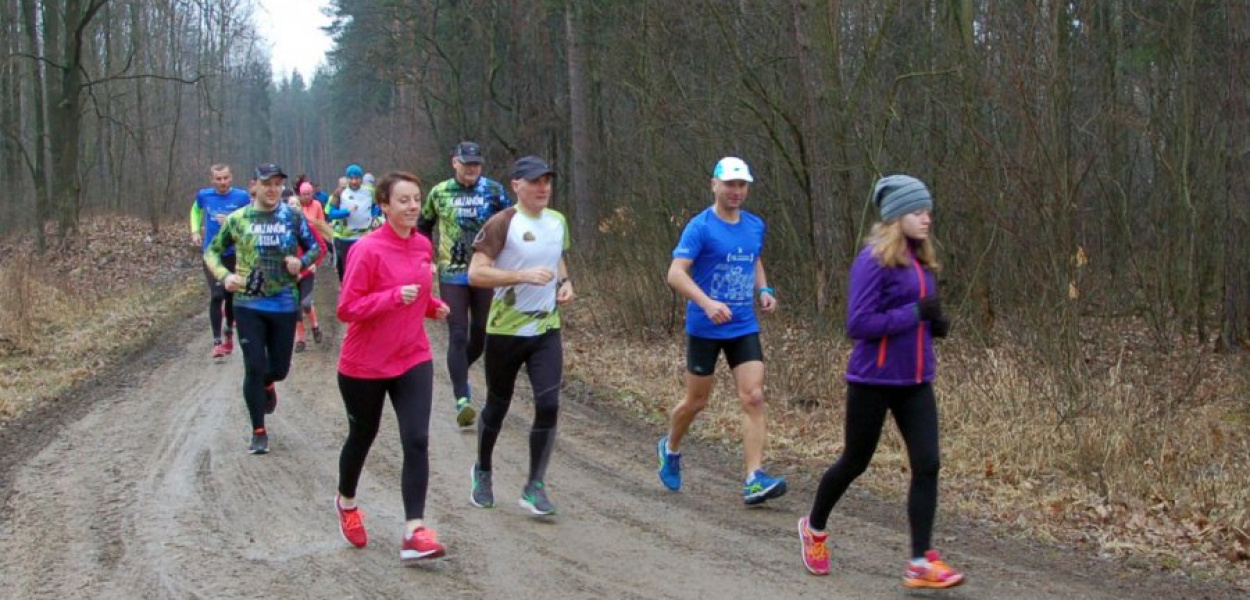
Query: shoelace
[(817, 550), (425, 536), (351, 519), (939, 571)]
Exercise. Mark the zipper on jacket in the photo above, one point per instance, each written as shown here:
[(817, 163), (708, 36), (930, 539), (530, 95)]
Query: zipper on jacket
[(920, 329)]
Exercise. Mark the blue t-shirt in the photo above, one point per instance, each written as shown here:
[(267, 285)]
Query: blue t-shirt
[(213, 203), (724, 257)]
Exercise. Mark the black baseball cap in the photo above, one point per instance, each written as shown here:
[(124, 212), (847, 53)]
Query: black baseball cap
[(468, 153), (530, 168), (267, 171)]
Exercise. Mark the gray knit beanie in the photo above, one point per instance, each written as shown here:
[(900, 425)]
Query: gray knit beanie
[(897, 195)]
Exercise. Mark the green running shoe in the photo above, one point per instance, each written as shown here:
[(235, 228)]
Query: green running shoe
[(465, 413), (483, 496), (534, 498)]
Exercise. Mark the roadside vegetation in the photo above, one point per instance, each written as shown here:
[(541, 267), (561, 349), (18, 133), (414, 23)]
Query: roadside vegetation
[(76, 310), (1121, 447)]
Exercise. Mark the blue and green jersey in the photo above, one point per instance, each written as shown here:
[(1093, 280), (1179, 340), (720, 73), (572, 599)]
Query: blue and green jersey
[(262, 241), (459, 212)]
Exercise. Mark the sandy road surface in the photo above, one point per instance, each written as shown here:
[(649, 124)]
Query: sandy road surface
[(138, 486)]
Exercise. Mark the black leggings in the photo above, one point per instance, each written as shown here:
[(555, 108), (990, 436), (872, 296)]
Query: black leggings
[(915, 411), (466, 331), (364, 399), (340, 255), (267, 339), (219, 300), (543, 357), (306, 292)]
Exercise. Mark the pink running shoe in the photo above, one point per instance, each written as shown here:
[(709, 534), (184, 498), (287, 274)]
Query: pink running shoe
[(815, 551)]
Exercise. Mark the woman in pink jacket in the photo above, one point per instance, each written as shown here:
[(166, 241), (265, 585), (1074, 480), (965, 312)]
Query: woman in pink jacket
[(385, 299)]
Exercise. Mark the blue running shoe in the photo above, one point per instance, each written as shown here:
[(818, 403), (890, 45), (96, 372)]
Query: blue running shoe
[(670, 466), (761, 487)]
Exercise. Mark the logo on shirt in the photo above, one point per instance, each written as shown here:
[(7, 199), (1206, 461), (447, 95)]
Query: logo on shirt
[(268, 234), (528, 236), (739, 256)]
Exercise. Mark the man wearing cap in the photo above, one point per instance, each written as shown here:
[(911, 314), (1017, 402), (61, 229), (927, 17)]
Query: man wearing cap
[(211, 207), (717, 267), (520, 253), (459, 207), (354, 214), (268, 237)]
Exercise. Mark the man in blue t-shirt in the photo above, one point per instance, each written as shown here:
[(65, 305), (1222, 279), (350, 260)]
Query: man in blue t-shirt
[(211, 207), (717, 267)]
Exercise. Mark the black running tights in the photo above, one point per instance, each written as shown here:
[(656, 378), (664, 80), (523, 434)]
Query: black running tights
[(341, 248), (364, 399), (267, 340), (543, 358), (466, 331), (915, 411), (220, 302)]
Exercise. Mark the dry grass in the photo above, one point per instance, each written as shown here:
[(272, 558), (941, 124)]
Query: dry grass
[(1133, 452), (66, 314)]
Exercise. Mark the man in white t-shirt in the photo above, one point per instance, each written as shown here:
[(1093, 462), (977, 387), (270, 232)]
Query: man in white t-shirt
[(520, 253), (354, 213)]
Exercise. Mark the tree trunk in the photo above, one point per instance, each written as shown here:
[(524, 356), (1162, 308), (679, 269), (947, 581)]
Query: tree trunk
[(10, 116), (587, 209), (65, 108), (1235, 325), (816, 151), (38, 108)]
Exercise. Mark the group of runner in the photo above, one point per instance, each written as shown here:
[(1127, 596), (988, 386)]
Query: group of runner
[(502, 281)]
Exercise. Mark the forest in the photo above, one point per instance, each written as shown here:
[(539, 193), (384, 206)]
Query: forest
[(1089, 160)]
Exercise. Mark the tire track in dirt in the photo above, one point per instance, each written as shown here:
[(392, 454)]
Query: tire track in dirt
[(139, 487)]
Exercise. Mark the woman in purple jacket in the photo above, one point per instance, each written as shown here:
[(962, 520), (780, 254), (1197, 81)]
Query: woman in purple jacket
[(893, 314)]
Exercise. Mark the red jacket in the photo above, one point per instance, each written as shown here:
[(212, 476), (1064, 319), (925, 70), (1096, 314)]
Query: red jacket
[(311, 213)]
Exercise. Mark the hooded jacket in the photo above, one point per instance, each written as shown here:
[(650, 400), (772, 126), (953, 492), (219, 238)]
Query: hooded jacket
[(892, 345)]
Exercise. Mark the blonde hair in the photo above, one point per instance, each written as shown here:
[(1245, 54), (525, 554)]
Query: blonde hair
[(889, 247)]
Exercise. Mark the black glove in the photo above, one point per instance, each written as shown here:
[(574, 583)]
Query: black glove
[(940, 327), (930, 309)]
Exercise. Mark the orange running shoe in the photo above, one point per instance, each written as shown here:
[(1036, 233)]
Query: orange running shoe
[(351, 524), (422, 544), (936, 575), (815, 552)]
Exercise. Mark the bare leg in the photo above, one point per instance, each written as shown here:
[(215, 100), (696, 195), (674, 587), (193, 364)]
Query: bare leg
[(749, 377), (698, 389)]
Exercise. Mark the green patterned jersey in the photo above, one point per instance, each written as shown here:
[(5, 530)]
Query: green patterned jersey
[(262, 240), (459, 212)]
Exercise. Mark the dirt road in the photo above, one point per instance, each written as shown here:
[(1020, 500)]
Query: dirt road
[(138, 486)]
